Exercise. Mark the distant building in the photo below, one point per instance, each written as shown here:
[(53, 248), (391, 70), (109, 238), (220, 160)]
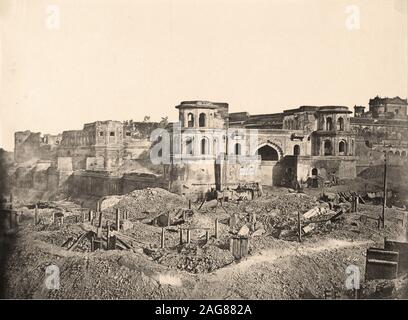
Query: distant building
[(211, 148), (99, 146), (389, 108), (382, 130), (359, 111)]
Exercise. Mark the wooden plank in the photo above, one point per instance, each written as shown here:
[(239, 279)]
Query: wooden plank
[(74, 245), (311, 213), (120, 246), (112, 242), (68, 241), (201, 204), (380, 269), (338, 214), (382, 254), (308, 228), (243, 247), (402, 249)]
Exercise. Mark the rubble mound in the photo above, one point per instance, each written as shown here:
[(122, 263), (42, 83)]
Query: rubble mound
[(286, 203), (151, 200), (195, 259), (280, 212), (385, 289)]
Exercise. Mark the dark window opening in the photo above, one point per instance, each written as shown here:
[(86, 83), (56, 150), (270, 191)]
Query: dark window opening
[(201, 120), (340, 124), (328, 150), (296, 150), (128, 134), (314, 172), (101, 134), (189, 146), (204, 146), (329, 124), (237, 149), (112, 134), (342, 148)]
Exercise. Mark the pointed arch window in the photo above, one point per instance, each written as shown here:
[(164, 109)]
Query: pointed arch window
[(202, 120)]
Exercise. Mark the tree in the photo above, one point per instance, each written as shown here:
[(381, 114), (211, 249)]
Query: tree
[(146, 119)]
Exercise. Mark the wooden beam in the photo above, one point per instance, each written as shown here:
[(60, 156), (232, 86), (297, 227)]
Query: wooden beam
[(74, 245)]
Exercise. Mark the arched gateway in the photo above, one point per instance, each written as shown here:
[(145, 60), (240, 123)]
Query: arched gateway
[(270, 154)]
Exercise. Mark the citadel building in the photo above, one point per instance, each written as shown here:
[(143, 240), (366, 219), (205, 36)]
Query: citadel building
[(214, 148), (296, 144)]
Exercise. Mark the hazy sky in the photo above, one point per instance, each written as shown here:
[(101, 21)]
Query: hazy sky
[(118, 59)]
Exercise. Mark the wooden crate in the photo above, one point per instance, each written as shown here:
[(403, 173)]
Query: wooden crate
[(239, 247)]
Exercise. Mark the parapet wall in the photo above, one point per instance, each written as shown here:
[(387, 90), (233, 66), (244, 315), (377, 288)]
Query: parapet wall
[(93, 184), (111, 140)]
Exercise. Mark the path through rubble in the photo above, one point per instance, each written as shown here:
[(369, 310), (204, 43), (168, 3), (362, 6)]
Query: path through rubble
[(263, 275), (273, 255)]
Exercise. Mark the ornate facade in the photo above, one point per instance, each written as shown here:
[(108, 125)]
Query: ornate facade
[(218, 149)]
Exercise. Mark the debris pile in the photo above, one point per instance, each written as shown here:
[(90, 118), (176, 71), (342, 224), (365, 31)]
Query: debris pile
[(143, 236), (276, 215), (285, 203), (194, 259), (140, 203)]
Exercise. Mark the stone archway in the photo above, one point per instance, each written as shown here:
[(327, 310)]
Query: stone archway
[(272, 145), (270, 155)]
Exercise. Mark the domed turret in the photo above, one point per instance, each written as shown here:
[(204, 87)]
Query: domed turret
[(203, 114)]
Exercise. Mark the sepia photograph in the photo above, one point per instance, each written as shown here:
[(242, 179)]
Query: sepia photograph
[(223, 151)]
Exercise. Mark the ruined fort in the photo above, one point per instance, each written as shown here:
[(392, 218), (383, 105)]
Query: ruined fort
[(214, 148), (155, 209), (221, 152)]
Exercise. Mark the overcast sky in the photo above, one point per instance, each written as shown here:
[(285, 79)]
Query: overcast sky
[(118, 59)]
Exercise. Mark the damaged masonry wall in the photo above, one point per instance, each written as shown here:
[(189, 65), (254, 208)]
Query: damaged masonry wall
[(294, 145), (311, 141)]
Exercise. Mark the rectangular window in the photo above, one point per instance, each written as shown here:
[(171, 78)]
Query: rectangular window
[(128, 134), (112, 134), (101, 134)]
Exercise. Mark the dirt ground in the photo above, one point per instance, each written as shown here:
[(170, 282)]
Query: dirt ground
[(277, 267)]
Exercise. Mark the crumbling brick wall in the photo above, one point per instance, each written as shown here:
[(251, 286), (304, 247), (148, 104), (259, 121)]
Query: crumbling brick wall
[(26, 146)]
